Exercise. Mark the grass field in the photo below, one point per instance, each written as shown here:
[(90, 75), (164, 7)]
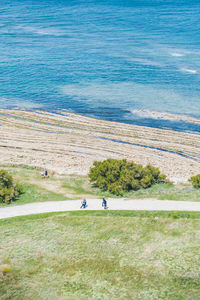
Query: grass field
[(101, 255), (69, 187)]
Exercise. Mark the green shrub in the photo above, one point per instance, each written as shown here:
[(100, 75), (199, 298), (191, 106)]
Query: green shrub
[(9, 191), (119, 176), (195, 181)]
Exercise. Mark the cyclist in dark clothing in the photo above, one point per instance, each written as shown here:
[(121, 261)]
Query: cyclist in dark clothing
[(104, 203), (84, 203)]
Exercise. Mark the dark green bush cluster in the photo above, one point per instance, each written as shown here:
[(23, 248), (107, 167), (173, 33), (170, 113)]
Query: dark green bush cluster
[(195, 181), (119, 176), (9, 191)]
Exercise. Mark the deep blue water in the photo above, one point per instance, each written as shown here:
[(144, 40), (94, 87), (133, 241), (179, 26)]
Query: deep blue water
[(106, 59)]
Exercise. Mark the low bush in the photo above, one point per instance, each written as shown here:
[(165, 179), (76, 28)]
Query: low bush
[(195, 181), (120, 176), (5, 266), (5, 269), (9, 191)]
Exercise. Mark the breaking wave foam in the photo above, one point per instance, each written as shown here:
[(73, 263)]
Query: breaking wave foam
[(175, 54), (190, 71), (164, 116), (11, 103)]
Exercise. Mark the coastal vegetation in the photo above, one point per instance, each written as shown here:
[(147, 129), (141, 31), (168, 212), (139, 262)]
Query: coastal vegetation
[(9, 191), (100, 255), (120, 176), (68, 187), (195, 181)]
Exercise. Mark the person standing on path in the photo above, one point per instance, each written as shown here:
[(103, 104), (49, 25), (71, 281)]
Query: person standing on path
[(42, 173), (46, 173)]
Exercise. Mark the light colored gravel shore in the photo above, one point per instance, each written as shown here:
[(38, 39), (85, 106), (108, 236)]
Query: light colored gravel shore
[(95, 204), (68, 143)]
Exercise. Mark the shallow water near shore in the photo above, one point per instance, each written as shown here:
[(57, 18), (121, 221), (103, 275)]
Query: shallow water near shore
[(105, 59)]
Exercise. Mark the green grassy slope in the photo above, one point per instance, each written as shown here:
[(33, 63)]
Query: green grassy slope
[(102, 255)]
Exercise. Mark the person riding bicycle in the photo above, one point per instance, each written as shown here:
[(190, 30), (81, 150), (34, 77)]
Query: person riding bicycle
[(104, 203), (83, 204)]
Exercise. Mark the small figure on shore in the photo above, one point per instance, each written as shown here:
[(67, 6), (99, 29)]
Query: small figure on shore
[(83, 204), (104, 203), (46, 173), (42, 173)]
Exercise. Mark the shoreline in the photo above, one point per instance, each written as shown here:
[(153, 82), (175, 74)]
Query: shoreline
[(157, 115), (68, 143), (142, 117)]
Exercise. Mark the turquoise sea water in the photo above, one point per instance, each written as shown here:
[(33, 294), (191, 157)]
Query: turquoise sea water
[(108, 59)]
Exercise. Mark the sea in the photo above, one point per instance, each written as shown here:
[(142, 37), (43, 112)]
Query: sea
[(131, 61)]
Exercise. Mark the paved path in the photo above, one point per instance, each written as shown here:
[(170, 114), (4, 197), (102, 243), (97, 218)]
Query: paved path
[(95, 204)]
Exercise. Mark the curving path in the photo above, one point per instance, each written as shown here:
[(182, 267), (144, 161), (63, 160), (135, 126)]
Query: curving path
[(95, 204)]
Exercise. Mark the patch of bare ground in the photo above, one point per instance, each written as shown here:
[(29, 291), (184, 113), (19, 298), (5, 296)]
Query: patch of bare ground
[(56, 187)]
